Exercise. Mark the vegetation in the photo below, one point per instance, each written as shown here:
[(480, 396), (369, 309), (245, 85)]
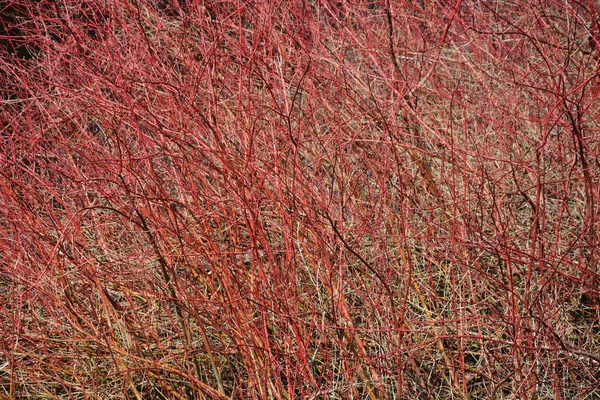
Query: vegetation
[(299, 199)]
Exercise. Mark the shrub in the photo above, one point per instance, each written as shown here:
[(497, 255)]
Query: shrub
[(299, 199)]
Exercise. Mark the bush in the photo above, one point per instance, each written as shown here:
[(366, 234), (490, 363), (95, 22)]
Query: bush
[(299, 199)]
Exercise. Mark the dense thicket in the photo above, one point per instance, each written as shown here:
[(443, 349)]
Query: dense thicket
[(299, 199)]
